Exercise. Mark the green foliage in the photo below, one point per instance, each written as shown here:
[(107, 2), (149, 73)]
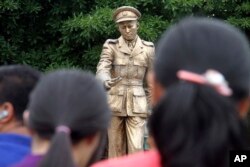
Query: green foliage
[(151, 27), (181, 8), (91, 57), (88, 29), (52, 34), (244, 23)]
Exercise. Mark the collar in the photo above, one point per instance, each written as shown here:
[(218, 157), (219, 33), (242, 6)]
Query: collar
[(138, 46), (131, 43)]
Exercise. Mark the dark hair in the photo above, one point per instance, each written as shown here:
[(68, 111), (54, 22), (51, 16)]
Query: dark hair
[(198, 125), (199, 44), (16, 83), (71, 98)]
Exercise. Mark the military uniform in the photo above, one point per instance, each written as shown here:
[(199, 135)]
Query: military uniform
[(128, 98)]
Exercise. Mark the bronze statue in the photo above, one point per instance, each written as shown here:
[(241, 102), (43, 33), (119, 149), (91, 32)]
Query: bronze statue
[(122, 68)]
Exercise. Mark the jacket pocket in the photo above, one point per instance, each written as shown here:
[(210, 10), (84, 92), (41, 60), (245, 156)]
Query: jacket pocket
[(141, 68), (140, 62), (116, 101), (140, 102)]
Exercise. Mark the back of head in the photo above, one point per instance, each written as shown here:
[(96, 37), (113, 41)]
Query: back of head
[(72, 99), (16, 83), (199, 44), (199, 125)]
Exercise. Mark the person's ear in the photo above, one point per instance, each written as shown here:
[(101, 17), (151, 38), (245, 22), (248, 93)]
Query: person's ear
[(26, 115), (156, 89), (243, 107), (93, 138), (151, 142), (6, 112)]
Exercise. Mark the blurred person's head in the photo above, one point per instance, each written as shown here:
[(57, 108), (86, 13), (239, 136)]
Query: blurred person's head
[(16, 83), (200, 93), (68, 116)]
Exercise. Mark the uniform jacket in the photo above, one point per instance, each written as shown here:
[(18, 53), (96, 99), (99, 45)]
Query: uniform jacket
[(127, 97)]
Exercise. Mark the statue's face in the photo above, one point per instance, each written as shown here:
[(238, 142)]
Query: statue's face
[(128, 29)]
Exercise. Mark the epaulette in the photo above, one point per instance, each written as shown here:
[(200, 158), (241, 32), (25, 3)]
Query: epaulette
[(112, 41), (148, 43)]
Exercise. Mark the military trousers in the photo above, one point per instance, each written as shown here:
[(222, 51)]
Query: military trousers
[(125, 135)]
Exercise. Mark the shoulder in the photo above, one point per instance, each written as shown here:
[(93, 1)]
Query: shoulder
[(111, 41), (147, 43), (145, 159)]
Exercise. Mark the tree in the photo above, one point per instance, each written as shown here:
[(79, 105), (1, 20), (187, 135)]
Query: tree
[(51, 34)]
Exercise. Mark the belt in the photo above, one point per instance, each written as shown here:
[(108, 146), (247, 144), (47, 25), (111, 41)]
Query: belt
[(131, 82)]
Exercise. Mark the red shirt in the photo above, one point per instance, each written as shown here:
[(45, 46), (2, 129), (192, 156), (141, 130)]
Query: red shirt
[(149, 158)]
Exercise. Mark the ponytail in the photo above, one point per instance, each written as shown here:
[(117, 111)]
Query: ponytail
[(198, 126), (59, 153)]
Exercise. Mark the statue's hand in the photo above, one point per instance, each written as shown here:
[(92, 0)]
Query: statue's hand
[(112, 82)]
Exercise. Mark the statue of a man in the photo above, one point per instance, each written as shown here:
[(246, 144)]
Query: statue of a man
[(122, 68)]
